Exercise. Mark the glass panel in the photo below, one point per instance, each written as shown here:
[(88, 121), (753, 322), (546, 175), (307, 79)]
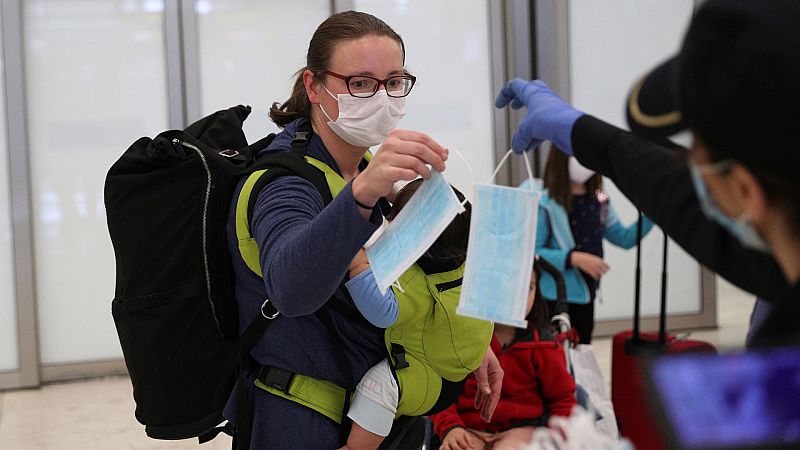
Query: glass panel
[(607, 55), (96, 82), (250, 51), (452, 100), (9, 351)]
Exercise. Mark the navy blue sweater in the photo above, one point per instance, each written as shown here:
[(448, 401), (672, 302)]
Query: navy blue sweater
[(305, 251)]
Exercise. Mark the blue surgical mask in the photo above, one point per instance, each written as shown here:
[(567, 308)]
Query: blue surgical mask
[(426, 215), (741, 227), (500, 253)]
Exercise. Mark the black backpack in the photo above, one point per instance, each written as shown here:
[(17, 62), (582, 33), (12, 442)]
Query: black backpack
[(167, 201)]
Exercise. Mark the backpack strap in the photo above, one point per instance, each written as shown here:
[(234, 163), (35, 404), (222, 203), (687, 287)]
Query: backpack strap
[(264, 171)]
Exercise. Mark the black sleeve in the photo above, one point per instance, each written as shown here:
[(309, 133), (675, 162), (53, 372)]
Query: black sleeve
[(657, 180)]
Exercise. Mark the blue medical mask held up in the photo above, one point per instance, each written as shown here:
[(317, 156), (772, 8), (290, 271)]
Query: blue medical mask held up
[(426, 215), (500, 252), (739, 227)]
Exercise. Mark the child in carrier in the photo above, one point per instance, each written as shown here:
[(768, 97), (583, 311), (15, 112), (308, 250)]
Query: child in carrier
[(574, 216), (431, 349), (536, 385)]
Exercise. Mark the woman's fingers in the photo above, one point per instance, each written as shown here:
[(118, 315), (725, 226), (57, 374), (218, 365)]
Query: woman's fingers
[(418, 145)]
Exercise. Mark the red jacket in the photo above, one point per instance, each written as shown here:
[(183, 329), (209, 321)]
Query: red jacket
[(535, 380)]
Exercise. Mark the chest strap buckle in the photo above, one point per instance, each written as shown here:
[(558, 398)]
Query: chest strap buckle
[(276, 378)]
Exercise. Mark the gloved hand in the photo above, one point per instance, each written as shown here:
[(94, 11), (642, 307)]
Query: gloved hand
[(549, 118)]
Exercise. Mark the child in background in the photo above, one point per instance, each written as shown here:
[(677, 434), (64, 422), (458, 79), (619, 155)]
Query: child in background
[(574, 216), (536, 385), (432, 349)]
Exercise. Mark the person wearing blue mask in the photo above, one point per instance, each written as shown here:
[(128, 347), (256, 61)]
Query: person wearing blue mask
[(348, 97), (733, 200)]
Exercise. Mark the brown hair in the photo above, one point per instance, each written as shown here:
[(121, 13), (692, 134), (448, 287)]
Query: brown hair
[(556, 178), (336, 28)]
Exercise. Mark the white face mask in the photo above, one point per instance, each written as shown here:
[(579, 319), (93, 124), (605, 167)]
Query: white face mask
[(365, 122), (578, 173)]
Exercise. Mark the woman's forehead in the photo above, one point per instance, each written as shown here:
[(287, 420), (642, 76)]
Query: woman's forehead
[(377, 56)]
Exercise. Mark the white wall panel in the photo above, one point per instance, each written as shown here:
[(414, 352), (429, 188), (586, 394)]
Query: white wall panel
[(249, 52), (95, 83), (612, 44)]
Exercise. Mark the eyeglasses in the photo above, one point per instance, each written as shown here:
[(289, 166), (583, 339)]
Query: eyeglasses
[(362, 86)]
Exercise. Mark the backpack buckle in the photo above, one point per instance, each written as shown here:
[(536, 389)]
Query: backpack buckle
[(229, 153), (268, 310), (399, 354), (276, 378)]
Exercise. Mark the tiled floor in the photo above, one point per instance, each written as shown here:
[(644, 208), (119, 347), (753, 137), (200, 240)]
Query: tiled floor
[(98, 414)]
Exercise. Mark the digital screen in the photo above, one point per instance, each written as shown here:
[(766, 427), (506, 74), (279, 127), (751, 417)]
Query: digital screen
[(735, 400)]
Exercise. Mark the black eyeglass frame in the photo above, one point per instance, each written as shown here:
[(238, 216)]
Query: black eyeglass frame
[(379, 82)]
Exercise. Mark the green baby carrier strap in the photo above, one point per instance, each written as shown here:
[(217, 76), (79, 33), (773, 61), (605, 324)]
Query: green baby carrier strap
[(429, 341), (277, 165), (322, 396)]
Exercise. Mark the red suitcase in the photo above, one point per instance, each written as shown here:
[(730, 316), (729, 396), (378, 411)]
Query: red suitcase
[(629, 349)]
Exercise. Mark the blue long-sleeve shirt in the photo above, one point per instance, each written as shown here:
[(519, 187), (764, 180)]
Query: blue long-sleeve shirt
[(379, 309), (304, 250)]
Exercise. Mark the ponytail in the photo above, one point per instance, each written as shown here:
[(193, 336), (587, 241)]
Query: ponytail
[(295, 107)]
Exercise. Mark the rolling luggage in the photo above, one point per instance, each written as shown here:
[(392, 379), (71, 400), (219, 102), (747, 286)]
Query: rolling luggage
[(629, 349)]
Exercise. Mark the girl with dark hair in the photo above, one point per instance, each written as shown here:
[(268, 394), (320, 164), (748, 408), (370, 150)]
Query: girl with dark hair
[(349, 96), (575, 215)]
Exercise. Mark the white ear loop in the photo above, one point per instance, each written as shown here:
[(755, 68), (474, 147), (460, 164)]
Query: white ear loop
[(469, 167), (502, 161)]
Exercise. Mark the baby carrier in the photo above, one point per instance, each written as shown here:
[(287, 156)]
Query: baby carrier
[(433, 349)]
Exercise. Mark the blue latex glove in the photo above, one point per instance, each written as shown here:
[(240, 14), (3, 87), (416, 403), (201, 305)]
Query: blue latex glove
[(549, 118)]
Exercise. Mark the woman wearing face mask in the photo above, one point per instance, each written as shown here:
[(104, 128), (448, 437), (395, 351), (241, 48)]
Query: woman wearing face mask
[(574, 217), (348, 97)]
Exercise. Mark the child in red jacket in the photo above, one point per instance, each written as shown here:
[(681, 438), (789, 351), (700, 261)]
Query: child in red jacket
[(536, 382)]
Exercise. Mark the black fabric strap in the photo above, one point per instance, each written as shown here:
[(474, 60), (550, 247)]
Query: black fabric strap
[(244, 401)]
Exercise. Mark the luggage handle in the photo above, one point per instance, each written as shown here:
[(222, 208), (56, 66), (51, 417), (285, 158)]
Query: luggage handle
[(662, 319)]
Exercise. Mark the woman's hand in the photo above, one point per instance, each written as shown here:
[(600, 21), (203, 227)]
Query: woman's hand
[(403, 156), (461, 439), (592, 265)]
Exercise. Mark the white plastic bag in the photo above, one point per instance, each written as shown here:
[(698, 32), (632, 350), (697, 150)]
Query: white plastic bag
[(589, 376)]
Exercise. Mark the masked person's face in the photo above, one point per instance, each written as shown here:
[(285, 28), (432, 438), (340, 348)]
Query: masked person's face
[(729, 195), (362, 94)]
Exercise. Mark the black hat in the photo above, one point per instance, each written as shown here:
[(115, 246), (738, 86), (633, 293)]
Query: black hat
[(735, 83)]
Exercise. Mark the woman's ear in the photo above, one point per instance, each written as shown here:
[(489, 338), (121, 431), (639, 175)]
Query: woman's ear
[(750, 194), (311, 87)]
